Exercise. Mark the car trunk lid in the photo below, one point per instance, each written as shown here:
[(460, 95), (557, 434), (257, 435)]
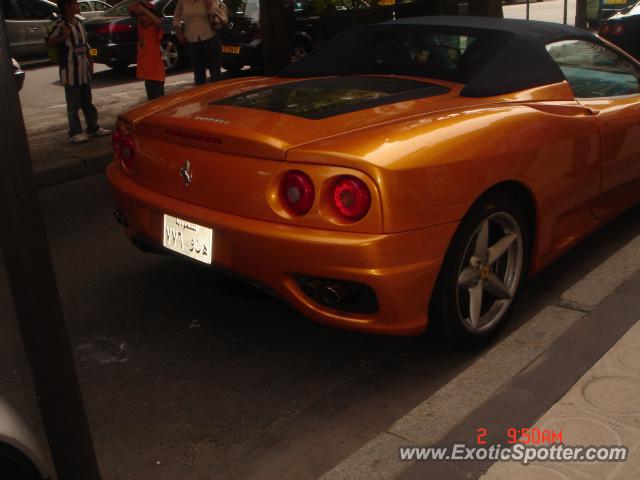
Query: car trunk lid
[(233, 138), (266, 118)]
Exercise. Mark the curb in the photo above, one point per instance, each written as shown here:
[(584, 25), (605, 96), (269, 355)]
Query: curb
[(79, 168), (430, 421)]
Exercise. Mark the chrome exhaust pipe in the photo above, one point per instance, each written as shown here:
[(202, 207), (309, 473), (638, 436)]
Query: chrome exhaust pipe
[(313, 288), (334, 294)]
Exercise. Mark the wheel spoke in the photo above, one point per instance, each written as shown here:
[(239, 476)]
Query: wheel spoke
[(475, 303), (467, 276), (497, 250), (482, 241), (498, 289)]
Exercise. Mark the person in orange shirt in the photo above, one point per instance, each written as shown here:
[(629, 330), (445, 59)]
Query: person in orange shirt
[(150, 65)]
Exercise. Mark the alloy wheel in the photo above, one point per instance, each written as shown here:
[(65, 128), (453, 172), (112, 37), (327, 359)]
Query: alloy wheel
[(489, 273), (169, 53)]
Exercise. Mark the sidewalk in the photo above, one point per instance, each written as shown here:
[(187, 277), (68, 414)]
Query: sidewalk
[(574, 367), (55, 160), (602, 408)]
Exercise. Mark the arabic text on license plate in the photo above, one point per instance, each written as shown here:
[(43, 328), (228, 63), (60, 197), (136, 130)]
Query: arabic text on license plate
[(93, 52), (187, 238), (230, 49)]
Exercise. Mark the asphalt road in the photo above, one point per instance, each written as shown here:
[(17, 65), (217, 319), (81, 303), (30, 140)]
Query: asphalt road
[(190, 374)]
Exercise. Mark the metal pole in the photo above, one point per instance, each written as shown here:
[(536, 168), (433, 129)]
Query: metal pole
[(564, 18), (527, 9), (35, 292)]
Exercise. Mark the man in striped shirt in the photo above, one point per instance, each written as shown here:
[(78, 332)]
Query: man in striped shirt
[(76, 68)]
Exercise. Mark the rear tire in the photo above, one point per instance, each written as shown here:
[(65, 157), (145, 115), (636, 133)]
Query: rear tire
[(482, 272), (300, 49)]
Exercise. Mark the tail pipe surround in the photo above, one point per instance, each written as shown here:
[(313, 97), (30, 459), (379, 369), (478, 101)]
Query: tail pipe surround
[(343, 295)]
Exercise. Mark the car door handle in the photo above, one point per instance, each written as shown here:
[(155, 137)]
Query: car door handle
[(33, 29), (591, 111)]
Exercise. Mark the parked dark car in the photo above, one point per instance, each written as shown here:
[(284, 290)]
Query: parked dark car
[(311, 22), (623, 29), (113, 36)]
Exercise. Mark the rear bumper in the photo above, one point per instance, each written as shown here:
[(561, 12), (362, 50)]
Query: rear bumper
[(401, 268), (115, 53), (249, 54)]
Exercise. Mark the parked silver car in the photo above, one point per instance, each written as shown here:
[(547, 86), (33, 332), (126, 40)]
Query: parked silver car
[(92, 8), (25, 22)]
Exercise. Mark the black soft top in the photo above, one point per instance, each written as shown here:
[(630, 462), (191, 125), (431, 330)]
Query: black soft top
[(509, 55)]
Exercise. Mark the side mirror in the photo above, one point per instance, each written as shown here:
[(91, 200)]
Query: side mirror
[(54, 16)]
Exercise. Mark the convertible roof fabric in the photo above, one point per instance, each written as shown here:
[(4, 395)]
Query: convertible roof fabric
[(510, 54)]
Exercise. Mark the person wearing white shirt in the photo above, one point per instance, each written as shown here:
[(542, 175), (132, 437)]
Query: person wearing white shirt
[(191, 21)]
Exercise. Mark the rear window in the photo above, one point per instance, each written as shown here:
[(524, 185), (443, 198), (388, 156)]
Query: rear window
[(326, 97), (419, 51)]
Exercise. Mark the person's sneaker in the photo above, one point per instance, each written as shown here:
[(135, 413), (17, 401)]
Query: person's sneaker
[(78, 138), (101, 132)]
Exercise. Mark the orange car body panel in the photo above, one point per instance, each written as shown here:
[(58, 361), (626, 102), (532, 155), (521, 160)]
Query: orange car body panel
[(425, 162)]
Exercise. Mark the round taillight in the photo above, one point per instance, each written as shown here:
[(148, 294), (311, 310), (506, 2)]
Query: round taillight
[(351, 198), (604, 29), (618, 29), (127, 152), (297, 192)]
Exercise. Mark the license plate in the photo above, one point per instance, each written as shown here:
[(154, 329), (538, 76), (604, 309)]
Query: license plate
[(188, 238), (230, 49), (615, 2), (93, 52)]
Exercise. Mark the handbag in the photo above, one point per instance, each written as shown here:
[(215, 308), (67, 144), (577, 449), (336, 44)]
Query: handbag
[(219, 19)]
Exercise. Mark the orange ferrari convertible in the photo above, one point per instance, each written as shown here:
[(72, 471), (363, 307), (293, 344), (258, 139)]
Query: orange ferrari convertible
[(405, 173)]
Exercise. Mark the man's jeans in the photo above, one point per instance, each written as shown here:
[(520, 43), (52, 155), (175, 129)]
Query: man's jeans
[(79, 97), (205, 55)]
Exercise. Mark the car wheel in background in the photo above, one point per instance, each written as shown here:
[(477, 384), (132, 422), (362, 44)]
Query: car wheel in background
[(482, 271), (299, 51), (170, 54)]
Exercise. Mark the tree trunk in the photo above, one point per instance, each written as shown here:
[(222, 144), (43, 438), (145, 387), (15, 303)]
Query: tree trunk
[(276, 45), (486, 8)]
